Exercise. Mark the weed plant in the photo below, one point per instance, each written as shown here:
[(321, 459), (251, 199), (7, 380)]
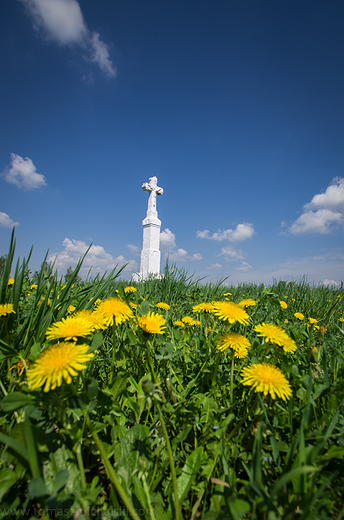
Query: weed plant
[(158, 425)]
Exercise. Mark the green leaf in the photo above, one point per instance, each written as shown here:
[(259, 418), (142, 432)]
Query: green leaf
[(143, 308), (133, 444), (335, 452), (32, 449), (302, 394), (7, 479), (119, 384), (132, 338), (320, 390), (60, 480), (96, 342), (15, 446), (92, 388), (6, 351), (16, 400), (139, 495), (37, 487), (62, 459), (287, 477), (178, 335), (239, 508), (189, 472)]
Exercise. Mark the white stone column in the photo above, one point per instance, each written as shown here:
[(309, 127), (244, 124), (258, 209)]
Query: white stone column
[(150, 254)]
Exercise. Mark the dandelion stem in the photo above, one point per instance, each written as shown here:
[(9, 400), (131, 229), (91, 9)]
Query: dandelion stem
[(238, 426), (151, 367), (146, 489), (232, 377), (113, 349), (170, 457)]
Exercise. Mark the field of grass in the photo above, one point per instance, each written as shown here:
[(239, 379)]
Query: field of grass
[(169, 399)]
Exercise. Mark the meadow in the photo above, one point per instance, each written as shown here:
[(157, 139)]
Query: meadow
[(169, 399)]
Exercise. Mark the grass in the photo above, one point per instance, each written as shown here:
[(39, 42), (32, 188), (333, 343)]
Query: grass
[(160, 426)]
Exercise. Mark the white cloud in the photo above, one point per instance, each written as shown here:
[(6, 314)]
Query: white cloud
[(97, 258), (214, 267), (203, 234), (239, 234), (245, 266), (324, 212), (232, 254), (167, 240), (196, 256), (62, 21), (316, 222), (100, 55), (329, 283), (23, 174), (332, 198), (135, 250), (180, 255), (6, 221), (168, 244)]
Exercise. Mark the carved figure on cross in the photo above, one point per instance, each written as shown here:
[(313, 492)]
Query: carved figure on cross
[(154, 190)]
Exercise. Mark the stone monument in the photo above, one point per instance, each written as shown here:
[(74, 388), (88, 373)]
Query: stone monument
[(150, 254)]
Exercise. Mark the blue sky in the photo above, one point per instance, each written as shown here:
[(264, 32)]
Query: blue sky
[(237, 106)]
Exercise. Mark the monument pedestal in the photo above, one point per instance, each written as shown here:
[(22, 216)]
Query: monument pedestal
[(150, 254)]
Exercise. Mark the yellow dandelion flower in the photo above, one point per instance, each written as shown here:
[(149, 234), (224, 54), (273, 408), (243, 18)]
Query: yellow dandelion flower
[(187, 320), (70, 328), (115, 309), (10, 281), (314, 350), (58, 362), (248, 302), (203, 307), (283, 305), (312, 321), (299, 316), (130, 289), (271, 333), (6, 308), (289, 345), (231, 312), (322, 329), (133, 305), (71, 308), (293, 299), (178, 323), (163, 306), (194, 323), (268, 379), (233, 340), (227, 294), (97, 319), (152, 323), (341, 319), (241, 352), (33, 286)]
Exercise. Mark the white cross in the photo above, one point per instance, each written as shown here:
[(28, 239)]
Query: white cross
[(154, 190)]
